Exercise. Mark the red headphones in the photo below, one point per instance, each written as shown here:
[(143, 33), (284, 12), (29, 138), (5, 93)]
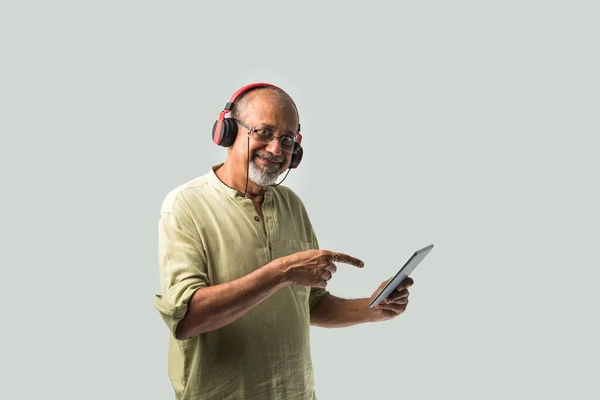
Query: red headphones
[(224, 130)]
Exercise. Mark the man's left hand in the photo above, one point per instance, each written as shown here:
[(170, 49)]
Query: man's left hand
[(396, 302)]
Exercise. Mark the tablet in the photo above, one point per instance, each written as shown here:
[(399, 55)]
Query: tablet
[(404, 272)]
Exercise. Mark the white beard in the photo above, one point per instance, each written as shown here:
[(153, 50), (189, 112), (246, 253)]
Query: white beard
[(263, 175)]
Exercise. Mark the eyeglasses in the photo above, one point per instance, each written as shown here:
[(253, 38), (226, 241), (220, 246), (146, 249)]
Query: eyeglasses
[(265, 135)]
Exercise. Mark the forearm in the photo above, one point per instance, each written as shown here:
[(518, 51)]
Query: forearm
[(335, 312), (213, 307)]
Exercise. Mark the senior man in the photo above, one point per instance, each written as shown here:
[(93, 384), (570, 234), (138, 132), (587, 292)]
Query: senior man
[(242, 276)]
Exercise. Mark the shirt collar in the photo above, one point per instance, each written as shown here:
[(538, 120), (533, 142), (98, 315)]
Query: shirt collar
[(226, 190)]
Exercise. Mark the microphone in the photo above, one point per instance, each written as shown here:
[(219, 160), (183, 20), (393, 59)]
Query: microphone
[(286, 174)]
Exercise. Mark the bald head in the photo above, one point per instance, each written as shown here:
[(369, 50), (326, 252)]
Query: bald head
[(276, 97)]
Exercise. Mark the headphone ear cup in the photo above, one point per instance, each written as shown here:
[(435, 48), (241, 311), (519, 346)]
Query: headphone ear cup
[(227, 132), (296, 156)]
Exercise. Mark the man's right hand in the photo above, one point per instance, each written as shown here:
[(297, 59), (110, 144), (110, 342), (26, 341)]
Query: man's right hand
[(314, 268)]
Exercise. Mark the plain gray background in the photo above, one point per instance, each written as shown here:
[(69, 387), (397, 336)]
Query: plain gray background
[(472, 125)]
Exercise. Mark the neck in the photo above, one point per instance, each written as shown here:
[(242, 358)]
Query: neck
[(234, 176)]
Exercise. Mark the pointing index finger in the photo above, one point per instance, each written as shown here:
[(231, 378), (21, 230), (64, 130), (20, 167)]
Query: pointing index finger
[(347, 259)]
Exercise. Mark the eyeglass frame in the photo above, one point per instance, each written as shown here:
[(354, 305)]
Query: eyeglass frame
[(273, 136)]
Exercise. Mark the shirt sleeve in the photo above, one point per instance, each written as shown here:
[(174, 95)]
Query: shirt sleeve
[(182, 264), (315, 293)]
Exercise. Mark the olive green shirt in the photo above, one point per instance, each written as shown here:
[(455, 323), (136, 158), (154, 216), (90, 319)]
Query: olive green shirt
[(210, 234)]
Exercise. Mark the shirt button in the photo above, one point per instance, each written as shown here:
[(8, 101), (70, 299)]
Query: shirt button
[(257, 218)]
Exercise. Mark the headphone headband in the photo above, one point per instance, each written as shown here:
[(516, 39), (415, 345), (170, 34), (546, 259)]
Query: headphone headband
[(246, 88)]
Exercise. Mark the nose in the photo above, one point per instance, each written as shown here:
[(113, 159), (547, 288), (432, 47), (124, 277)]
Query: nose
[(274, 147)]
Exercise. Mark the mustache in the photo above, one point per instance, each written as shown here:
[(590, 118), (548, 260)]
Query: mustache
[(270, 157)]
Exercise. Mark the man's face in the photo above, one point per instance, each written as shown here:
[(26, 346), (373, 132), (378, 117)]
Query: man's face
[(267, 160)]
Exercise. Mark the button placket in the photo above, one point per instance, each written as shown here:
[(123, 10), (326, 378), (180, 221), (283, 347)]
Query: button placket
[(248, 207), (267, 208)]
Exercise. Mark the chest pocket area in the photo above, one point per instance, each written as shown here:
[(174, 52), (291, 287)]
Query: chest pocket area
[(282, 248)]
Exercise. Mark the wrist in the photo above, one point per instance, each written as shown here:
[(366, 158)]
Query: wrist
[(278, 272), (370, 314)]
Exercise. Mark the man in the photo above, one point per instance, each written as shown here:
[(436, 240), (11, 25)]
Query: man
[(242, 275)]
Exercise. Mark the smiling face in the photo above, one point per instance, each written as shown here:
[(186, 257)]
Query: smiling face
[(270, 110)]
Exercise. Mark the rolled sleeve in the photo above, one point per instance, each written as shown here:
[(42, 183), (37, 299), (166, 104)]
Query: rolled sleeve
[(315, 295), (182, 264)]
